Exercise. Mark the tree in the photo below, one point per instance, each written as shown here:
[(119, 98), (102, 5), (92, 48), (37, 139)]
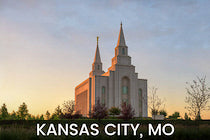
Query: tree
[(3, 111), (13, 115), (41, 117), (55, 117), (68, 106), (57, 113), (127, 111), (99, 111), (47, 115), (163, 112), (31, 117), (154, 101), (174, 116), (114, 111), (154, 111), (58, 110), (186, 116), (198, 95), (68, 109), (22, 111)]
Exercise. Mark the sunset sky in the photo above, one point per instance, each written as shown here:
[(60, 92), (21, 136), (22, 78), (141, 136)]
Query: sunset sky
[(47, 47)]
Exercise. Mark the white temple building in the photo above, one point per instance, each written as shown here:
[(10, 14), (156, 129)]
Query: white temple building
[(119, 84)]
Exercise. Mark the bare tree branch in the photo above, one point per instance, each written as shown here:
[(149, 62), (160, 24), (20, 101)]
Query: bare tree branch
[(154, 101), (197, 97)]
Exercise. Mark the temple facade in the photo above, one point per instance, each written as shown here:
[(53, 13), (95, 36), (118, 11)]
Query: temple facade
[(119, 84)]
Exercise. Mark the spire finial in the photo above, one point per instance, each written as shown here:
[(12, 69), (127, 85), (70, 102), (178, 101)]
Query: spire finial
[(97, 40), (121, 24)]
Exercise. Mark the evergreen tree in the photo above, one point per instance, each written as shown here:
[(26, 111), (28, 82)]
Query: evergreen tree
[(47, 115), (13, 115), (22, 112), (54, 117), (41, 117), (4, 113), (29, 117), (57, 113)]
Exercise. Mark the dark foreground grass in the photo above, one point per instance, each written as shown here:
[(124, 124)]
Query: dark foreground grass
[(184, 130)]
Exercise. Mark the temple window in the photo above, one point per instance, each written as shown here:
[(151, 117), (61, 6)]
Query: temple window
[(123, 51), (125, 90)]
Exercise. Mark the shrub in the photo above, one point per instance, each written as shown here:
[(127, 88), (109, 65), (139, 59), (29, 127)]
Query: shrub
[(174, 116), (127, 111), (76, 115), (163, 112), (99, 111), (114, 111)]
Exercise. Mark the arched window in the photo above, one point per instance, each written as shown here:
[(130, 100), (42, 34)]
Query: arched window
[(125, 93), (103, 96), (98, 67)]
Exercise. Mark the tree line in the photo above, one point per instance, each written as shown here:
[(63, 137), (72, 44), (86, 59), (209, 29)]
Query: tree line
[(197, 98), (67, 111)]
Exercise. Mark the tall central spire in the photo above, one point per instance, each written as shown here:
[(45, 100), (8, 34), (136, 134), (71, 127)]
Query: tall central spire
[(121, 51), (121, 38), (97, 58)]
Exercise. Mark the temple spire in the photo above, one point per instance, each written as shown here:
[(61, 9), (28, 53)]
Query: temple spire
[(97, 58), (97, 65), (121, 38)]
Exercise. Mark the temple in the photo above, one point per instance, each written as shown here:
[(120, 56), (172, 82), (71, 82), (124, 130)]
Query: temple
[(119, 84)]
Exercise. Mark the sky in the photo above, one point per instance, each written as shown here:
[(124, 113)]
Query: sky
[(47, 47)]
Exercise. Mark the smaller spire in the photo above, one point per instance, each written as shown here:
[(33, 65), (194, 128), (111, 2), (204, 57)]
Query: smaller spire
[(97, 58), (121, 38)]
